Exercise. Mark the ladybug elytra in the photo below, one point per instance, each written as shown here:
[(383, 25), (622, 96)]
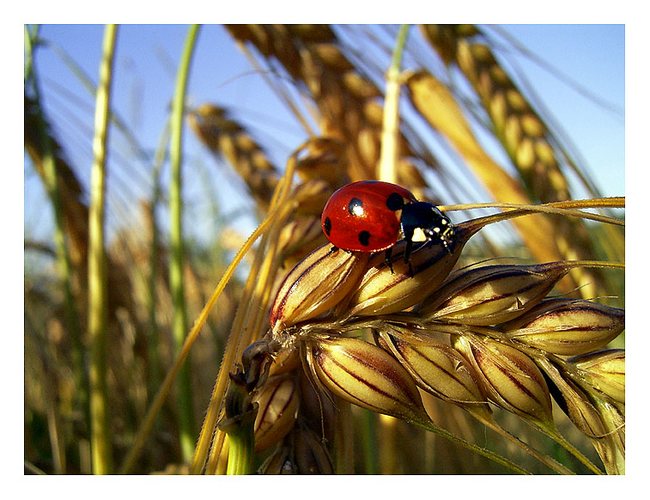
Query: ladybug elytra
[(370, 216)]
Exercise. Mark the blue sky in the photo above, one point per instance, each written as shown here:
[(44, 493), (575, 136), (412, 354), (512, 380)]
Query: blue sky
[(590, 57)]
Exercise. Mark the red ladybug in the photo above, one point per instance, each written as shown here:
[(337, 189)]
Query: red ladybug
[(370, 216)]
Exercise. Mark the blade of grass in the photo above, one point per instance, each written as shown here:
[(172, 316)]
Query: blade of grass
[(152, 307), (97, 304), (62, 253), (170, 377), (207, 431), (176, 282)]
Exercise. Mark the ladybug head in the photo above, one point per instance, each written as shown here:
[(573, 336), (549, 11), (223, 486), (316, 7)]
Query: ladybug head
[(427, 217)]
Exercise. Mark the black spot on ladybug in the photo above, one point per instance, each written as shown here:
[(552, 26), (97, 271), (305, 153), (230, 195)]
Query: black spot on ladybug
[(364, 238), (395, 202), (327, 226), (355, 207)]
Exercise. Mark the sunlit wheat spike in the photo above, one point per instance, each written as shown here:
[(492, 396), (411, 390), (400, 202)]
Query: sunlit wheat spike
[(444, 113), (437, 368), (383, 290), (489, 295), (315, 285), (227, 138), (326, 361), (365, 375), (567, 327), (510, 378), (522, 131)]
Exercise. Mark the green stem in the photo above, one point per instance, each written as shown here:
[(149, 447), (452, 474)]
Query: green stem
[(97, 303), (369, 442), (63, 261), (153, 352), (176, 282), (240, 455), (561, 440), (400, 43)]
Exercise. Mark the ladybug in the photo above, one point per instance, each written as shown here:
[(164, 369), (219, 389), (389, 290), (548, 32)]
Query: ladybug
[(370, 216)]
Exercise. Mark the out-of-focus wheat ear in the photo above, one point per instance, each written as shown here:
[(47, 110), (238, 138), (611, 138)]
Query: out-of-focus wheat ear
[(226, 138), (346, 99), (311, 455), (435, 102), (567, 327), (302, 232), (310, 197), (325, 161), (45, 153), (510, 378), (279, 462), (316, 285), (604, 371), (365, 375), (521, 130), (489, 295), (299, 237), (523, 133)]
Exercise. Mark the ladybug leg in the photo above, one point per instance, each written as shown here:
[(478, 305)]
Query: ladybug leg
[(389, 262), (407, 251), (408, 236), (334, 249)]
